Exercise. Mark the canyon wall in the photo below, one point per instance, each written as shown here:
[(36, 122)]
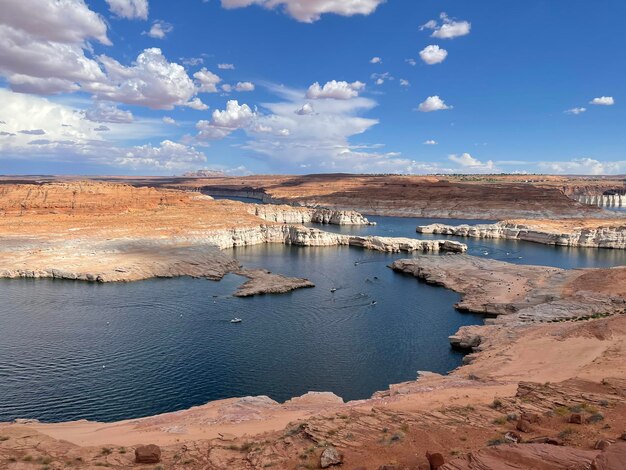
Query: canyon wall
[(597, 237)]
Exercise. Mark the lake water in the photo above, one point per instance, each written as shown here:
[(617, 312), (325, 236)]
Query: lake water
[(73, 350)]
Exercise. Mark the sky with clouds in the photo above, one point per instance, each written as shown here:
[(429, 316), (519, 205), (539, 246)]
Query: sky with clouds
[(157, 87)]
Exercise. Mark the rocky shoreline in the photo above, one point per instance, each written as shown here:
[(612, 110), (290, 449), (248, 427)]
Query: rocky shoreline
[(196, 254), (607, 236)]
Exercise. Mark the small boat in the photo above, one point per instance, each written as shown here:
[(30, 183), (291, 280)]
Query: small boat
[(333, 290), (236, 320), (374, 302)]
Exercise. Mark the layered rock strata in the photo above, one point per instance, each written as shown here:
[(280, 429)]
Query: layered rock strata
[(519, 293), (189, 254), (612, 236), (300, 215), (265, 282)]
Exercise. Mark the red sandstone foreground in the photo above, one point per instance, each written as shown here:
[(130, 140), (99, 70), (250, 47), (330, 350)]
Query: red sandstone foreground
[(541, 389)]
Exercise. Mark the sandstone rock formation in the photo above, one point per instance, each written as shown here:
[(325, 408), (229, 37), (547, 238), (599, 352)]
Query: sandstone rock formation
[(589, 233), (264, 282), (148, 454), (520, 293), (406, 196)]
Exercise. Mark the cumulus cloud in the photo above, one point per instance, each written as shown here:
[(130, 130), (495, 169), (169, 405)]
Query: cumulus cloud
[(151, 81), (226, 66), (575, 111), (168, 155), (448, 28), (244, 86), (335, 90), (433, 54), (60, 21), (404, 82), (45, 49), (308, 11), (603, 101), (160, 29), (411, 62), (224, 122), (433, 103), (430, 142), (376, 60), (42, 45), (129, 8), (207, 80), (69, 136), (169, 120), (466, 161)]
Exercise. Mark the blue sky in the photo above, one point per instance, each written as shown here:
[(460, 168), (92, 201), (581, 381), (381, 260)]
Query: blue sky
[(531, 86)]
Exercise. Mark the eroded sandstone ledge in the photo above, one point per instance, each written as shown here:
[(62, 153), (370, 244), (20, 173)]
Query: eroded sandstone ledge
[(594, 233)]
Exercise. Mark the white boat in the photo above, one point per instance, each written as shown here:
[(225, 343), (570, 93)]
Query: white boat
[(333, 290), (236, 320)]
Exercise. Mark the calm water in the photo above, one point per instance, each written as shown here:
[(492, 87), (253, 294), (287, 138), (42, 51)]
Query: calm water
[(71, 350)]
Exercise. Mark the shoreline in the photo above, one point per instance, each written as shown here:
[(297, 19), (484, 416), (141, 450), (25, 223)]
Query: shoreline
[(530, 357)]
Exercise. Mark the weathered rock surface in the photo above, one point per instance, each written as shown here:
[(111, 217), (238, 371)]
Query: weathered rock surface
[(330, 457), (603, 236), (302, 215), (405, 196), (524, 456), (264, 282), (148, 454), (519, 293)]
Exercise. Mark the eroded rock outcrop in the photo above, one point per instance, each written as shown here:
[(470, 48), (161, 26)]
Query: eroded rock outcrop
[(602, 236), (520, 293), (264, 282), (302, 215)]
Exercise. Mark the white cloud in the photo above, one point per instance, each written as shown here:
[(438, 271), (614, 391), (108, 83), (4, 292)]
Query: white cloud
[(309, 11), (575, 111), (60, 21), (207, 80), (226, 66), (227, 88), (107, 112), (169, 120), (411, 62), (129, 8), (376, 60), (223, 123), (334, 90), (244, 86), (448, 29), (584, 166), (160, 29), (44, 49), (42, 45), (433, 103), (433, 54), (404, 82), (430, 142), (466, 161), (151, 81), (305, 110), (58, 132), (168, 155), (603, 101)]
